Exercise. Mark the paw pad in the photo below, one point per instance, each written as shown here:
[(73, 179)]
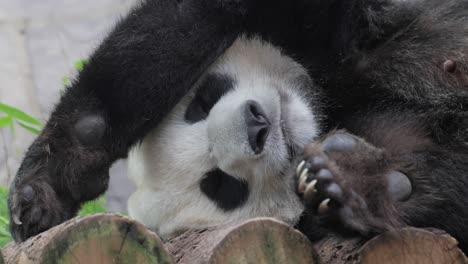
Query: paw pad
[(90, 129), (341, 142), (27, 194)]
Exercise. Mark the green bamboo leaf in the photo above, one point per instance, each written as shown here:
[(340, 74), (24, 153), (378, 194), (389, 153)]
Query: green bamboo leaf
[(29, 128), (18, 114), (5, 121)]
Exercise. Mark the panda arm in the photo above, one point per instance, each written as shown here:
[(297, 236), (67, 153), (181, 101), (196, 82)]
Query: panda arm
[(138, 73)]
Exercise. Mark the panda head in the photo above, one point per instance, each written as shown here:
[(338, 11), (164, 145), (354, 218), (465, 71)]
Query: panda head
[(226, 152)]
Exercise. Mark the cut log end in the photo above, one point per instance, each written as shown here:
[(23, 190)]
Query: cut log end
[(411, 245), (407, 245), (94, 239), (256, 241)]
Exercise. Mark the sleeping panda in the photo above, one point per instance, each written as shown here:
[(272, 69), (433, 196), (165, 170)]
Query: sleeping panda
[(391, 73), (227, 152)]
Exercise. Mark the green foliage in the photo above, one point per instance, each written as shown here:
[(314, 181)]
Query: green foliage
[(5, 236), (12, 115), (94, 207)]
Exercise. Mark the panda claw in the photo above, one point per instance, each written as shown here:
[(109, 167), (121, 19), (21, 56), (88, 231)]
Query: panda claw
[(16, 219), (300, 167), (310, 190), (304, 173), (324, 206), (302, 185)]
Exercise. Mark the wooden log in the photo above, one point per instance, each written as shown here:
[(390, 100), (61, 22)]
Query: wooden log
[(116, 239), (411, 245), (102, 239), (269, 241), (259, 241), (408, 245)]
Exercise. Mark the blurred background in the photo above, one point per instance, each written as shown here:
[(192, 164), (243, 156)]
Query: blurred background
[(40, 40)]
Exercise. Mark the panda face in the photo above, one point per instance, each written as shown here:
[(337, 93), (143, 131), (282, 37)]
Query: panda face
[(226, 152)]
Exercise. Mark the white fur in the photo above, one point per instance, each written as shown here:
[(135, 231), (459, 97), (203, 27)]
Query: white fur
[(168, 166)]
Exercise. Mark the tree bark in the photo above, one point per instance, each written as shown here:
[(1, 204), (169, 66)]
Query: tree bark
[(104, 238)]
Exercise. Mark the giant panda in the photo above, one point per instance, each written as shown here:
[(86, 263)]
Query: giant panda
[(391, 73)]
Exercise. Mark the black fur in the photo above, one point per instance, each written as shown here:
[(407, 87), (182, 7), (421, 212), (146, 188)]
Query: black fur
[(395, 75), (394, 72), (212, 88), (226, 191)]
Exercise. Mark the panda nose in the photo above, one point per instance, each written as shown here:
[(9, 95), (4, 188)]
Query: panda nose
[(258, 125)]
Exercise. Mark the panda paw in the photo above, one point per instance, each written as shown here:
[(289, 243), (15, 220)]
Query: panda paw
[(34, 208), (326, 182), (57, 174)]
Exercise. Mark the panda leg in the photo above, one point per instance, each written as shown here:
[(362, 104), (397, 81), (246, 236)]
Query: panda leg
[(139, 72)]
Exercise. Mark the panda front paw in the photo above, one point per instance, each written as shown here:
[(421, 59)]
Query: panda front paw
[(327, 181), (59, 172), (35, 207)]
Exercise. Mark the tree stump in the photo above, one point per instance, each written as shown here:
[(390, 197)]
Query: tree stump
[(102, 239), (260, 240)]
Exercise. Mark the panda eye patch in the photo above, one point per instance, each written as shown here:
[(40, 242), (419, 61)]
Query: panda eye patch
[(226, 191), (213, 87)]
